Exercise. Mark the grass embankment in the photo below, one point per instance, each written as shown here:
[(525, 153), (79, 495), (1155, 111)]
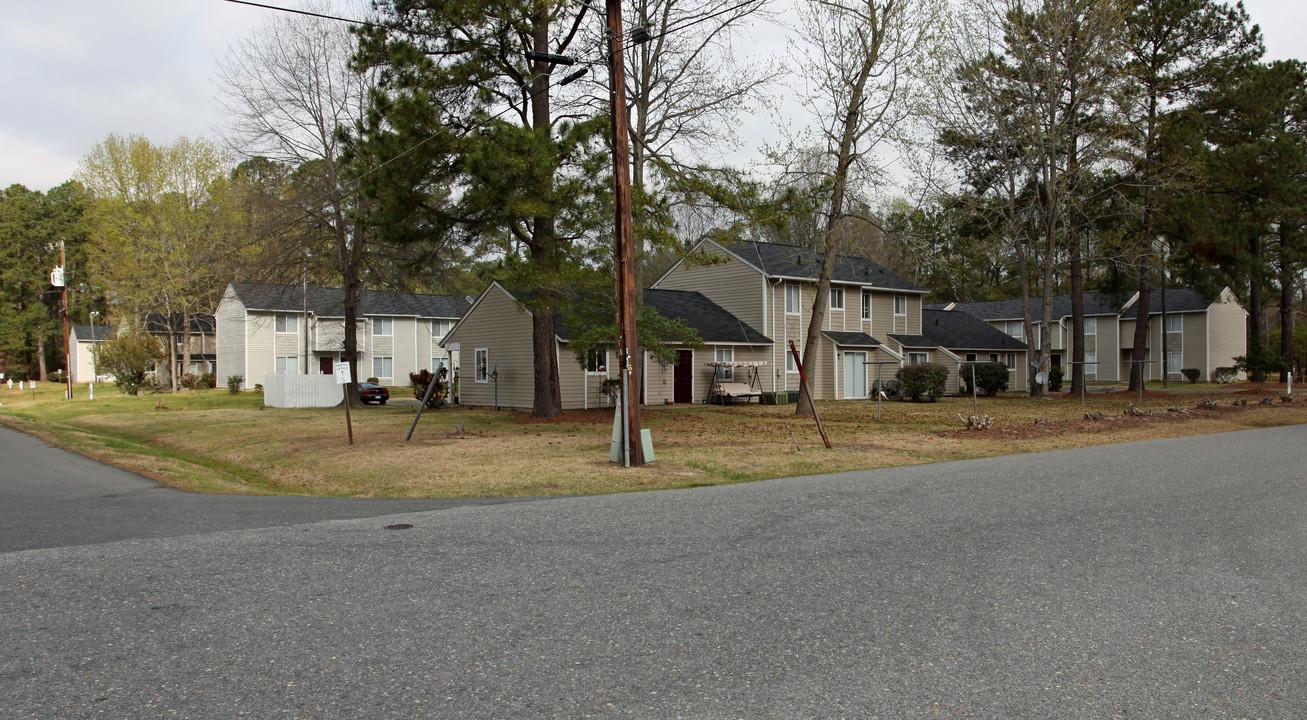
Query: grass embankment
[(211, 441)]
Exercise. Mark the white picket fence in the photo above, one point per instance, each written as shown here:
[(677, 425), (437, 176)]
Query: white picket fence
[(296, 391)]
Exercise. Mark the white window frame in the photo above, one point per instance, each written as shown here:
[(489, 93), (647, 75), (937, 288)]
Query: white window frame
[(724, 354), (918, 358), (793, 299), (481, 365), (1178, 321), (791, 366), (600, 354), (383, 327), (837, 292), (1091, 326), (1174, 368), (285, 323), (900, 305), (437, 325), (384, 360), (1018, 326), (436, 362), (1091, 364), (866, 305), (286, 365)]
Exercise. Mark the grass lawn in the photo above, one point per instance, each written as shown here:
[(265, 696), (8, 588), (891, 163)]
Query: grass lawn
[(211, 441)]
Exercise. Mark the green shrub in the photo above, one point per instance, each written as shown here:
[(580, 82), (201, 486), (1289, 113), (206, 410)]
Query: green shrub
[(991, 378), (209, 381), (923, 383), (1224, 374), (373, 380), (234, 383), (56, 377), (129, 358), (1191, 374), (190, 381), (1055, 378)]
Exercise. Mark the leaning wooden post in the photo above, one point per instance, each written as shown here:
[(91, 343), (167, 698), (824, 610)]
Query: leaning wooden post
[(812, 402)]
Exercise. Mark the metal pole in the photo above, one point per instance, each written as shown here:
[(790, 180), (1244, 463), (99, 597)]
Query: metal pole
[(880, 389), (975, 403), (427, 397)]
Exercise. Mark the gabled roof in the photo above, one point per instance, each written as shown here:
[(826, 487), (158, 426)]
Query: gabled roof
[(711, 321), (158, 324), (1095, 304), (789, 261), (330, 302), (914, 341), (1178, 300), (851, 339), (959, 330), (82, 333)]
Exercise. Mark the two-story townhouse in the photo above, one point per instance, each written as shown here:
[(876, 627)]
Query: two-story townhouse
[(193, 352), (292, 329), (1102, 329), (771, 286), (83, 344), (495, 338), (1202, 333)]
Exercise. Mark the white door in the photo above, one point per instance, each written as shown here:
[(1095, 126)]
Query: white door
[(855, 375)]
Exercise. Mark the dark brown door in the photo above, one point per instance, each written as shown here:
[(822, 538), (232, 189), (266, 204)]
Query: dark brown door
[(325, 366), (683, 378)]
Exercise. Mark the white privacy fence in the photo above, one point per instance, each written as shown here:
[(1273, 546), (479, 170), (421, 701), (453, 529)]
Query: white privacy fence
[(290, 391)]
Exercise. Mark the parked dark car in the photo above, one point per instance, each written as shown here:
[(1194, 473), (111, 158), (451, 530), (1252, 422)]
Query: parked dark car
[(372, 392)]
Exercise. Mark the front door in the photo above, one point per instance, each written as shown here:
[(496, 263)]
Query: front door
[(855, 375), (326, 366), (683, 378)]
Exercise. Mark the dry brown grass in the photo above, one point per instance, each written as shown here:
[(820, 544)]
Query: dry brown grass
[(212, 442)]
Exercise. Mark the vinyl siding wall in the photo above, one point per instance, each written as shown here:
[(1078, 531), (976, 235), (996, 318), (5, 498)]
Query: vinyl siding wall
[(230, 321), (737, 287), (1227, 334), (504, 329)]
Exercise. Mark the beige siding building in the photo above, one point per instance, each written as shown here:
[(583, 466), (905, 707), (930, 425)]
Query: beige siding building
[(282, 329)]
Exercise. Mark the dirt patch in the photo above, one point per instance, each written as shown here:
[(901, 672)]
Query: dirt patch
[(1134, 395), (593, 417), (1255, 392)]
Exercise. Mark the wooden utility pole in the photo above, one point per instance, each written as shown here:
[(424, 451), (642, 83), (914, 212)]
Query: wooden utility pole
[(625, 238), (63, 280)]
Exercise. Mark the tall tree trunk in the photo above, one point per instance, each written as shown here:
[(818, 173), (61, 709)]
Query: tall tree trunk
[(1256, 307), (548, 399), (40, 357)]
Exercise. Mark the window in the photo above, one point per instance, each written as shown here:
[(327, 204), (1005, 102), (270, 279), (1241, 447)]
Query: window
[(596, 361), (918, 358), (993, 357), (481, 356), (1091, 326), (790, 365), (286, 323), (900, 304), (288, 365), (383, 367), (382, 326), (1014, 329), (866, 305), (1174, 323), (440, 328), (1173, 362), (725, 355), (792, 299), (971, 357), (1091, 364), (836, 298)]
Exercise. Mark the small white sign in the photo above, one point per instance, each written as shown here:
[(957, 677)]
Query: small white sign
[(341, 371), (57, 277)]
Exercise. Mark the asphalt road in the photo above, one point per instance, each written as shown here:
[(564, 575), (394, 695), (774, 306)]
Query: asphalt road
[(1163, 580), (53, 498)]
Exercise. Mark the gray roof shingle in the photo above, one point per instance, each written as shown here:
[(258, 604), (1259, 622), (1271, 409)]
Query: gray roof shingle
[(1095, 304), (797, 262), (956, 329), (82, 333), (1178, 300), (330, 302), (711, 321), (851, 339)]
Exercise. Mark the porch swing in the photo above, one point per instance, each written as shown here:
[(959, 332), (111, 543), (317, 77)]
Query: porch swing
[(725, 392)]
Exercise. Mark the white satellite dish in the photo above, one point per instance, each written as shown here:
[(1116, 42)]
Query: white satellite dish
[(1041, 378)]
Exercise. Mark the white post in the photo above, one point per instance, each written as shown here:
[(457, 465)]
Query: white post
[(90, 389)]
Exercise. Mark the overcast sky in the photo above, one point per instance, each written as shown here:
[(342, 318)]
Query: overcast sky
[(74, 71)]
